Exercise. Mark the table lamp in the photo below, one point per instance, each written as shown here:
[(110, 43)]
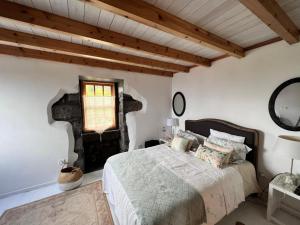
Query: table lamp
[(172, 122), (289, 147)]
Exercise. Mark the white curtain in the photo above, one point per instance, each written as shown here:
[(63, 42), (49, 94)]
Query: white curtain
[(99, 113)]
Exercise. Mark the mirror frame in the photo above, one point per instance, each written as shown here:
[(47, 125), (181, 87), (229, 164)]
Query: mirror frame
[(184, 103), (275, 94)]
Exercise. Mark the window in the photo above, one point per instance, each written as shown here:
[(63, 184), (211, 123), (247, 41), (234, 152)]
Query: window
[(99, 106)]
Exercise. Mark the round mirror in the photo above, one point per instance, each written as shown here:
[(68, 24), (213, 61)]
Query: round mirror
[(284, 105), (178, 104)]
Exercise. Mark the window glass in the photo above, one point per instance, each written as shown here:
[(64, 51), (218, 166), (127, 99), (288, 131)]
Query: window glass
[(107, 91), (98, 90), (89, 89), (99, 106)]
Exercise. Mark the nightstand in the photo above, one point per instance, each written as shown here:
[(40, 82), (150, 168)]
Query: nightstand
[(165, 141), (151, 143), (278, 212)]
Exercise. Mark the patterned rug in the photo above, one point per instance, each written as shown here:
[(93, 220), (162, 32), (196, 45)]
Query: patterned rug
[(86, 205)]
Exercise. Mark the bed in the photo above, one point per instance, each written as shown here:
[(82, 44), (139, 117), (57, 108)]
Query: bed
[(158, 186)]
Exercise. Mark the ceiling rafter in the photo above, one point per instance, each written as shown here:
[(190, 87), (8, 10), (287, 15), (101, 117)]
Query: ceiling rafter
[(150, 15), (251, 47), (57, 23), (274, 16), (58, 57), (40, 43)]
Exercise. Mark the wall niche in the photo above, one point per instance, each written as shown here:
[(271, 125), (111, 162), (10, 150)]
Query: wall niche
[(68, 108)]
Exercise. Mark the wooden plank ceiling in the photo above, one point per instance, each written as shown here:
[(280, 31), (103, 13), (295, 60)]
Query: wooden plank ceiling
[(115, 34)]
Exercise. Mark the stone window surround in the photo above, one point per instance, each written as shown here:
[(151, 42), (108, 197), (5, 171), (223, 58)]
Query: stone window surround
[(126, 104)]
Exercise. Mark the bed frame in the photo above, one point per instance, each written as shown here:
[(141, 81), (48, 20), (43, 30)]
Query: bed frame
[(202, 127)]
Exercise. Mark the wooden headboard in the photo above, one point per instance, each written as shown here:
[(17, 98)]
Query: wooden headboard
[(204, 125)]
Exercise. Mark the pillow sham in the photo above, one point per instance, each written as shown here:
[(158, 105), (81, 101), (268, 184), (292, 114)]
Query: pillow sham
[(215, 158), (220, 149), (193, 141), (240, 150), (199, 137), (179, 144), (227, 136)]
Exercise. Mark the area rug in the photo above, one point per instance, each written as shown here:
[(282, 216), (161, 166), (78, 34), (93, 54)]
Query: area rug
[(86, 205)]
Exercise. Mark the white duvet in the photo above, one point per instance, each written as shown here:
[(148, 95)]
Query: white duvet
[(221, 189)]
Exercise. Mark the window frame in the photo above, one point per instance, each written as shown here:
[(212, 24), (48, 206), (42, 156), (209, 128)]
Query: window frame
[(115, 93)]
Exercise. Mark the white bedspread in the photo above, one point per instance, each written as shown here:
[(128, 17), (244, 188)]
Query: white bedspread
[(221, 189)]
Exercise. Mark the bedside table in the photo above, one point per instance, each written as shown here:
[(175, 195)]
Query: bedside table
[(278, 190), (165, 141)]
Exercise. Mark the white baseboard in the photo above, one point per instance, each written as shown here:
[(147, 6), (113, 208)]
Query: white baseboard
[(5, 195), (88, 178)]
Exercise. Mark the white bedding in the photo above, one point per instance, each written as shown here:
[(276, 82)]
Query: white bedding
[(221, 189)]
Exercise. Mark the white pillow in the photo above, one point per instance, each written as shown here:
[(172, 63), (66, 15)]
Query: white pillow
[(227, 136), (179, 144)]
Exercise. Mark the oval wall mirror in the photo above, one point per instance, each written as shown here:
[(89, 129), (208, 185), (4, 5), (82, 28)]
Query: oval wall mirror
[(178, 104), (284, 105)]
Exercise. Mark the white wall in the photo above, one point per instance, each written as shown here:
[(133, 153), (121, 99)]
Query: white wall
[(238, 90), (30, 147)]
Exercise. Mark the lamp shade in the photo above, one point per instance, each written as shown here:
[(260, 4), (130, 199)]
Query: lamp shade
[(172, 122), (288, 146)]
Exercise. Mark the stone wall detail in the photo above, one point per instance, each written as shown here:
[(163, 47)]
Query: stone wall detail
[(68, 108), (130, 105)]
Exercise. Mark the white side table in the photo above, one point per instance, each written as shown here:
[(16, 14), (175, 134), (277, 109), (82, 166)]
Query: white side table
[(278, 190)]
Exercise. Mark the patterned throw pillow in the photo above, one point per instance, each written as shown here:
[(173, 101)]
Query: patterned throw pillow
[(179, 144), (220, 149), (215, 158), (227, 136), (239, 150), (193, 141), (199, 137)]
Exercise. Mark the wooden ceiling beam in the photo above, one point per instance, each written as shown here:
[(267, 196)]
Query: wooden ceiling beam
[(263, 43), (57, 57), (57, 23), (251, 47), (40, 43), (274, 16), (150, 15)]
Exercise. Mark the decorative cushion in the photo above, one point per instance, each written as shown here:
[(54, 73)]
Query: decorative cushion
[(219, 149), (215, 158), (227, 136), (193, 141), (240, 150), (179, 144), (199, 137)]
